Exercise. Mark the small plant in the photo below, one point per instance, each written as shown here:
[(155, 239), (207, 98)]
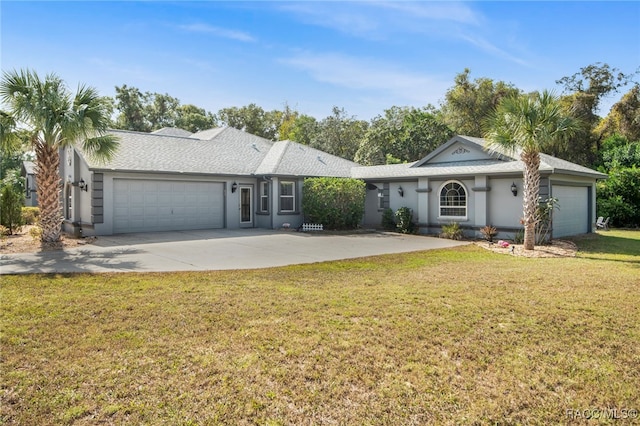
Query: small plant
[(488, 232), (388, 220), (518, 237), (451, 231), (405, 224), (543, 215), (4, 231), (30, 215), (36, 233)]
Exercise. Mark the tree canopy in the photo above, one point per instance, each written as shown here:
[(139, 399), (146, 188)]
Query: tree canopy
[(403, 134), (468, 103)]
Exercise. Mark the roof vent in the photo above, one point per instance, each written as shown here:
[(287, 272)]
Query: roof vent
[(254, 146)]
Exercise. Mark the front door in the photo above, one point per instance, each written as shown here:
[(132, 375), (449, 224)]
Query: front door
[(246, 207)]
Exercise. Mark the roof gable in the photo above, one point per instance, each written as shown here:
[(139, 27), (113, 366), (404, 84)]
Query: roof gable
[(460, 149), (466, 156), (172, 131), (290, 158)]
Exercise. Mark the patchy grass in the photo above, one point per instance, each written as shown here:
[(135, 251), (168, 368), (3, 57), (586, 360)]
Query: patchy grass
[(458, 336), (615, 245)]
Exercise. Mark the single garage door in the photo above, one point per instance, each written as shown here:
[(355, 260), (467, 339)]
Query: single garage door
[(166, 205), (572, 216)]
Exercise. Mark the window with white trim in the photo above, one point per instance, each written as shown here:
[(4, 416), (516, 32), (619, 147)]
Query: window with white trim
[(453, 200), (287, 196), (264, 197)]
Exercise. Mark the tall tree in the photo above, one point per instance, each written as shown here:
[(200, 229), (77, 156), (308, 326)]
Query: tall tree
[(252, 119), (304, 130), (161, 110), (402, 134), (55, 118), (583, 93), (340, 134), (528, 124), (624, 117), (468, 103), (194, 119), (131, 104)]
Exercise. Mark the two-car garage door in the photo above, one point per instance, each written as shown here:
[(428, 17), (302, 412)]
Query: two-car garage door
[(573, 214), (166, 205)]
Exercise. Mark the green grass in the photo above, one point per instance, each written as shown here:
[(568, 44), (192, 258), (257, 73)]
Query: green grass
[(457, 336)]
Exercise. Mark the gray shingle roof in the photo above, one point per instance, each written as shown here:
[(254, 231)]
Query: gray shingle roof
[(228, 151), (172, 131), (500, 163), (29, 167), (288, 158), (221, 151)]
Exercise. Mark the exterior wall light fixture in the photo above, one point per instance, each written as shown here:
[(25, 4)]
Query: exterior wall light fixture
[(514, 189), (81, 184), (401, 191), (234, 186)]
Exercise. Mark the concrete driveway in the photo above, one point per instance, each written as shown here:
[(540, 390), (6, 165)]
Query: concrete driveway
[(214, 250)]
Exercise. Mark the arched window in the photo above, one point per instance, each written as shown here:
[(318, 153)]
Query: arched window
[(453, 200)]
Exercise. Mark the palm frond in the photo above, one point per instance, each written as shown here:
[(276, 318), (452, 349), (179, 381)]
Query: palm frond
[(9, 140), (101, 148)]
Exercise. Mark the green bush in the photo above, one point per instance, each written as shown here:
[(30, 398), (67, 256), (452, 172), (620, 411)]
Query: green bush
[(451, 231), (388, 220), (336, 203), (30, 215), (11, 202), (518, 237), (619, 197), (404, 219)]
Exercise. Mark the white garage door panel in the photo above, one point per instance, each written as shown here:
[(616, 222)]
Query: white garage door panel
[(572, 217), (149, 205)]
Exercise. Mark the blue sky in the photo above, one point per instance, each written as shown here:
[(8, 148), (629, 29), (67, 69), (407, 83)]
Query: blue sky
[(362, 56)]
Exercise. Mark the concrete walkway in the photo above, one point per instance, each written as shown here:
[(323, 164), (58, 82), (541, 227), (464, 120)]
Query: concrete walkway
[(214, 250)]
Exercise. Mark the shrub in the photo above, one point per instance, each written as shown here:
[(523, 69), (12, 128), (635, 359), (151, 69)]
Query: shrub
[(451, 231), (619, 211), (3, 232), (36, 233), (518, 237), (337, 203), (488, 232), (405, 224), (543, 214), (11, 209), (30, 215), (619, 197), (388, 220)]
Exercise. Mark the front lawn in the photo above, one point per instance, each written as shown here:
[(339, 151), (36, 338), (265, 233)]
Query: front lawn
[(456, 336)]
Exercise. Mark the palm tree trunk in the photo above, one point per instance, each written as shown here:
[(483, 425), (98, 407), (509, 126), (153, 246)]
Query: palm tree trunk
[(48, 188), (531, 193)]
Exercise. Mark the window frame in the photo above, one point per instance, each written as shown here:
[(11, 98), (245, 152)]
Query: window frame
[(453, 206), (264, 197), (291, 196)]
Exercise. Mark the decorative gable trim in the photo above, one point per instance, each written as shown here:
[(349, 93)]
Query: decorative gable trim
[(462, 148)]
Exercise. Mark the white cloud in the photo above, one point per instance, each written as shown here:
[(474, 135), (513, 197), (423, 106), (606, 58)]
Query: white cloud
[(369, 76), (385, 19), (439, 11), (494, 50), (217, 31)]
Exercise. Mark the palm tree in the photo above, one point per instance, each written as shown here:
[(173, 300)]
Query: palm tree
[(528, 124), (54, 118)]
